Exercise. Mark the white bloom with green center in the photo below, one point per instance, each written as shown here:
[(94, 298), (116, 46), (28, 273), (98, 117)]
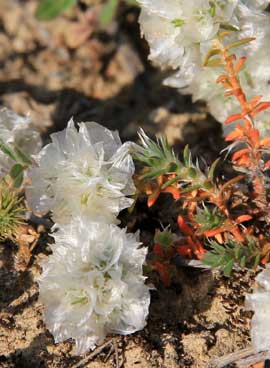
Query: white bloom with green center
[(175, 30), (86, 172), (93, 285), (16, 131)]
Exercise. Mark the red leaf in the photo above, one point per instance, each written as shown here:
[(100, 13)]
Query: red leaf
[(199, 250), (260, 107), (240, 64), (235, 134), (184, 250), (153, 197), (214, 232), (243, 161), (240, 153), (254, 135), (243, 218), (255, 101), (158, 250), (175, 192), (233, 118), (163, 273), (183, 226)]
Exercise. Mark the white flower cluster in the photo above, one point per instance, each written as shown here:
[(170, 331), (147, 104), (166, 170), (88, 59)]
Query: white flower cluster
[(93, 283), (181, 32), (16, 131), (82, 173), (259, 302)]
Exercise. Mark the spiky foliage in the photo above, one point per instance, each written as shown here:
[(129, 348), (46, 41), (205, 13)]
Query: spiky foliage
[(233, 253), (232, 216), (11, 212), (209, 219)]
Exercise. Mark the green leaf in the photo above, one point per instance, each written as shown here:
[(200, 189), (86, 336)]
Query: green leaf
[(214, 62), (210, 219), (16, 174), (242, 261), (210, 54), (186, 156), (192, 172), (212, 10), (22, 157), (228, 268), (7, 150), (229, 27), (164, 238), (49, 9), (211, 259), (190, 189), (212, 169), (153, 174), (171, 181), (132, 2), (108, 11), (240, 42), (178, 22)]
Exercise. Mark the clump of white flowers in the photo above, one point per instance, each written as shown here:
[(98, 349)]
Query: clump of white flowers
[(177, 29), (259, 302), (86, 172), (180, 33), (92, 284), (16, 132)]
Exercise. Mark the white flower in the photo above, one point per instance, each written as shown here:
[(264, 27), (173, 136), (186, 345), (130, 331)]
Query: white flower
[(257, 4), (175, 30), (259, 302), (16, 131), (92, 284), (82, 172)]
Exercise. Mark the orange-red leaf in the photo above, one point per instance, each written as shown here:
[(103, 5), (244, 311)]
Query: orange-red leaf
[(163, 273), (184, 250), (243, 218), (240, 64), (158, 250), (183, 226), (243, 161), (237, 234), (199, 250), (259, 108), (153, 197), (214, 232), (235, 134), (255, 101), (254, 135), (174, 191), (233, 118), (240, 153)]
